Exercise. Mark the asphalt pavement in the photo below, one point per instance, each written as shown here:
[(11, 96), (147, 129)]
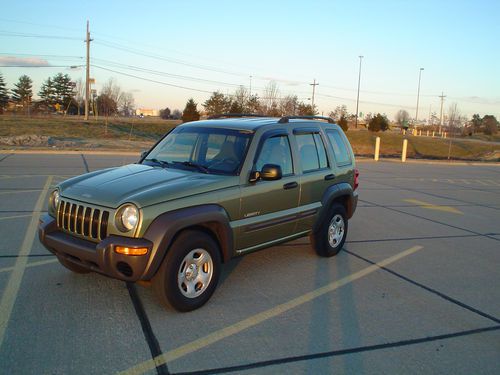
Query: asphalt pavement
[(415, 290)]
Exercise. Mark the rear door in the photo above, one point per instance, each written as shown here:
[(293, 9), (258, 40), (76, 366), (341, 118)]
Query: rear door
[(316, 175)]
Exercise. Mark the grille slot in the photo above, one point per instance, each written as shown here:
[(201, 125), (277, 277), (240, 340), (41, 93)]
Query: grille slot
[(91, 223)]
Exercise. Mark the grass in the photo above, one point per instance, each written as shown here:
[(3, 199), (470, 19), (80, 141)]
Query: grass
[(391, 145), (138, 134)]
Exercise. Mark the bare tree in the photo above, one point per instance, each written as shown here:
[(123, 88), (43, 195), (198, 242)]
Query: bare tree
[(288, 105), (113, 91), (80, 94), (453, 118), (270, 99), (240, 99), (127, 104), (339, 112)]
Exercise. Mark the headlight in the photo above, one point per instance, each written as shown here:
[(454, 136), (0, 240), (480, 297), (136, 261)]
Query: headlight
[(54, 199), (127, 217)]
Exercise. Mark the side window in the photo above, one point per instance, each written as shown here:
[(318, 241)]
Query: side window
[(320, 146), (342, 155), (276, 150), (312, 151)]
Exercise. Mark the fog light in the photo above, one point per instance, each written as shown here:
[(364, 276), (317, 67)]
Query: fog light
[(131, 250)]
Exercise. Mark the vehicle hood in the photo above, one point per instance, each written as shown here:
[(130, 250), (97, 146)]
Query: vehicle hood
[(140, 184)]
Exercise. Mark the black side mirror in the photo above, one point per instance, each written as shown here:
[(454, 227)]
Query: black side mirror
[(271, 172), (143, 154)]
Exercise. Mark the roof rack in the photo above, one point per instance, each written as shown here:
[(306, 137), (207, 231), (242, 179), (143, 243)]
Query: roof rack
[(286, 119), (229, 115)]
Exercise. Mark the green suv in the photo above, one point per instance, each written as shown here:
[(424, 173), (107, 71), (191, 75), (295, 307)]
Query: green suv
[(208, 191)]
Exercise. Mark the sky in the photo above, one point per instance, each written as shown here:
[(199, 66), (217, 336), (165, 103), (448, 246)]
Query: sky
[(165, 52)]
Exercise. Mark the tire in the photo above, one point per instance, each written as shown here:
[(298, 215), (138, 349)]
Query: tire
[(73, 267), (331, 236), (189, 273)]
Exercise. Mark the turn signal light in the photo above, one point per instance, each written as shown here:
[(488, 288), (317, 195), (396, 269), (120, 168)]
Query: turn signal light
[(131, 250)]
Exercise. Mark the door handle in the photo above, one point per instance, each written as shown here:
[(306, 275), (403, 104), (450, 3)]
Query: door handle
[(290, 185), (329, 177)]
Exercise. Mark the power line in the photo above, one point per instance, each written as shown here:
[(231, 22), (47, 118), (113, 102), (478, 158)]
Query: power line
[(25, 35), (151, 80)]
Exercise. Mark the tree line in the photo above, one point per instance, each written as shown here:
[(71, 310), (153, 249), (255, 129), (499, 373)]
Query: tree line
[(59, 94)]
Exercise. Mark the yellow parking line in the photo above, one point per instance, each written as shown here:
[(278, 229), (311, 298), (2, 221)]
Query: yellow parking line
[(256, 319), (436, 207), (29, 265), (10, 293)]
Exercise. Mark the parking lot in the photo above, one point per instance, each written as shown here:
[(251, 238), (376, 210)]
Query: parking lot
[(416, 289)]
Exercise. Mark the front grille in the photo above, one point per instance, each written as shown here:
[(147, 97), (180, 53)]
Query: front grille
[(88, 222)]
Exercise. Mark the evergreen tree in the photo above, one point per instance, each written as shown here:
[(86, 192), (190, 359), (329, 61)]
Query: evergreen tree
[(64, 89), (23, 91), (378, 123), (217, 104), (4, 94), (47, 92), (190, 111)]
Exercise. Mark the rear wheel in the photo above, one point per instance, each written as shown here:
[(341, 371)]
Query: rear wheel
[(331, 236), (73, 267), (189, 273)]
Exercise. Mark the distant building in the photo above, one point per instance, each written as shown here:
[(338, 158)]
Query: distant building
[(147, 112)]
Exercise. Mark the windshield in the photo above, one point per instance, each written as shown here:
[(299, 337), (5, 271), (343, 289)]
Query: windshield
[(206, 150)]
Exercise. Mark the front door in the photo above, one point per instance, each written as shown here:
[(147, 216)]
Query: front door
[(269, 208)]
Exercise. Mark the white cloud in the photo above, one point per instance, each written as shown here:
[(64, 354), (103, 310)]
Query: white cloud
[(22, 61)]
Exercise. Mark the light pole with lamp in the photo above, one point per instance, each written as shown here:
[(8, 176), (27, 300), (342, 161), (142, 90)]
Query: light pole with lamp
[(357, 100), (418, 93)]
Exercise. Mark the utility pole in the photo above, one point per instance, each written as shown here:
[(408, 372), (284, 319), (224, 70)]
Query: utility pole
[(441, 117), (357, 99), (314, 84), (87, 74), (418, 94)]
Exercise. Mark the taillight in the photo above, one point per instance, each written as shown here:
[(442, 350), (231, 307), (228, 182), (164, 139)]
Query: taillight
[(356, 178)]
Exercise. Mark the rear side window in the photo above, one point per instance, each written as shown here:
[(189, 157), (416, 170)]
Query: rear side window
[(342, 154), (312, 151)]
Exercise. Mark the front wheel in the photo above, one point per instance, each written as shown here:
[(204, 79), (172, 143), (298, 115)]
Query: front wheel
[(189, 273), (331, 236)]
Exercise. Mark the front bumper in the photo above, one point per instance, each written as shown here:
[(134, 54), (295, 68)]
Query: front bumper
[(98, 257)]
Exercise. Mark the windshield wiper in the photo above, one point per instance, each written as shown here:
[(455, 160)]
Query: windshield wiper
[(200, 167), (161, 162)]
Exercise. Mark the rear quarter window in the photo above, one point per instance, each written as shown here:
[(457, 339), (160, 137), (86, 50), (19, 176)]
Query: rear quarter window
[(340, 149)]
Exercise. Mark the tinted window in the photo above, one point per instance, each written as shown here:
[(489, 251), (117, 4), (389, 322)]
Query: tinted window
[(312, 151), (342, 155), (320, 146), (276, 150)]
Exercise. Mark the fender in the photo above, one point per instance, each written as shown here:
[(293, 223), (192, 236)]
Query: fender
[(162, 231), (342, 191)]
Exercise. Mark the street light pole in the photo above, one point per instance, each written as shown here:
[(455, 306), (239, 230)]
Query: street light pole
[(357, 100), (418, 93)]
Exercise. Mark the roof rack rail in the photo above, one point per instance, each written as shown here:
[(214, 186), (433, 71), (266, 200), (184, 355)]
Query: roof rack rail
[(286, 119), (229, 115)]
